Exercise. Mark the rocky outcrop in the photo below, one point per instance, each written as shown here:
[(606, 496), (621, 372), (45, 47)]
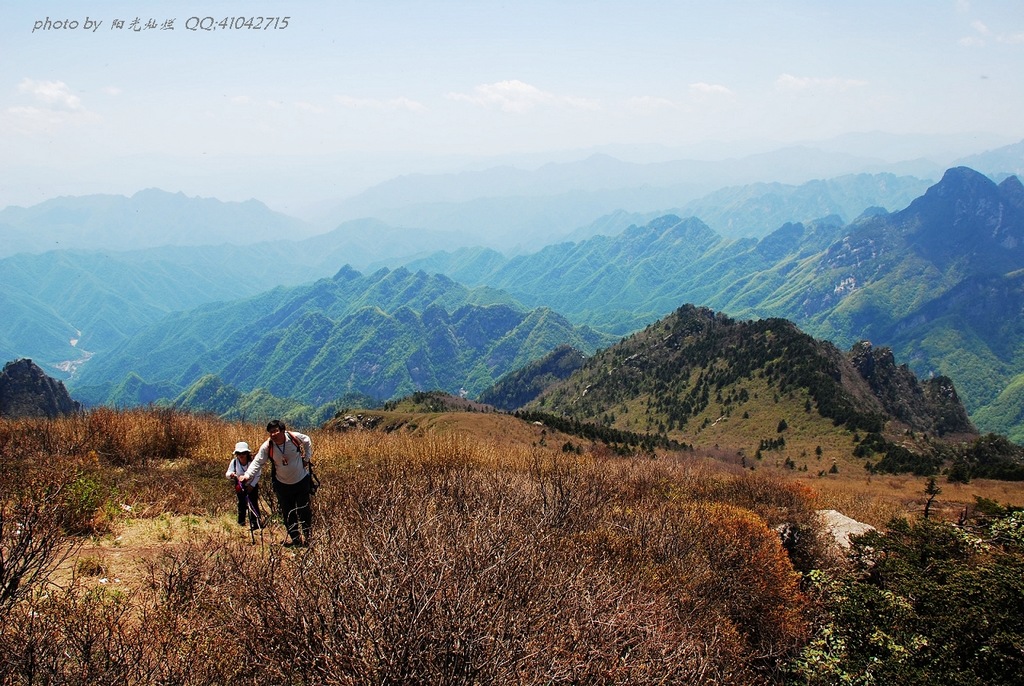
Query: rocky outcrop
[(26, 391), (840, 527), (933, 406)]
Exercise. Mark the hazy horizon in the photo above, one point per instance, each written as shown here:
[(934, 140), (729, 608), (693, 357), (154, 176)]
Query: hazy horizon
[(347, 96)]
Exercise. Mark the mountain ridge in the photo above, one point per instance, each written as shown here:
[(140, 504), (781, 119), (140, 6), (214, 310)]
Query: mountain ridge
[(385, 334), (149, 218), (699, 377), (871, 279)]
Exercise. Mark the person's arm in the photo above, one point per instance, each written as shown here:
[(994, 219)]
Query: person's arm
[(231, 473), (307, 449), (256, 465), (255, 477)]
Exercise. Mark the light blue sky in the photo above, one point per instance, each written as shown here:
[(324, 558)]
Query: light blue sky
[(356, 92)]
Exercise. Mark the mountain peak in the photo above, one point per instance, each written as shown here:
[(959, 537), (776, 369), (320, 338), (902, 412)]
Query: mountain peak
[(969, 220), (26, 391), (347, 273), (1012, 191)]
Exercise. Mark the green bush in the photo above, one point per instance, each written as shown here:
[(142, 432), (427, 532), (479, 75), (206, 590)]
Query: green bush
[(926, 603)]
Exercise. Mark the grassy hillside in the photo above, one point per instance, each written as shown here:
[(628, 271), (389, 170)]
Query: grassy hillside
[(463, 549), (763, 392)]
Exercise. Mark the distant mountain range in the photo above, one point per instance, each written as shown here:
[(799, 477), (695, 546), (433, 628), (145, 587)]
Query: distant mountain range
[(150, 218), (384, 335), (67, 305), (514, 209), (939, 281), (933, 281), (74, 303)]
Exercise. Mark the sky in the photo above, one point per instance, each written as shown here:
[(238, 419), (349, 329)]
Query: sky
[(335, 97)]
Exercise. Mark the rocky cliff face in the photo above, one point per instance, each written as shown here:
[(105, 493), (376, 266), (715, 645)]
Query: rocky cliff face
[(26, 391), (932, 406)]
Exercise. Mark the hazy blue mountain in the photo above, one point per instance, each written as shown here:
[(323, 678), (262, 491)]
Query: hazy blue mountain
[(372, 243), (149, 218), (68, 304), (752, 210), (34, 330), (942, 151), (509, 208), (758, 209), (524, 223), (887, 268), (1006, 160), (384, 335)]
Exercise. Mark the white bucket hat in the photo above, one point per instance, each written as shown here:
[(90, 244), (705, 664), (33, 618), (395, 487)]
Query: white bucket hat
[(242, 447)]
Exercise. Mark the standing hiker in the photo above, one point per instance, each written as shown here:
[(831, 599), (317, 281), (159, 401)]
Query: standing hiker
[(248, 493), (289, 453)]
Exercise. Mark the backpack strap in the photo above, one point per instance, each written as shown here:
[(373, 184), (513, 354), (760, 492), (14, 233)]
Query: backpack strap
[(295, 441)]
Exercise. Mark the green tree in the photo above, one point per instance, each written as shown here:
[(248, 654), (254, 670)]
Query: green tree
[(931, 490), (925, 603)]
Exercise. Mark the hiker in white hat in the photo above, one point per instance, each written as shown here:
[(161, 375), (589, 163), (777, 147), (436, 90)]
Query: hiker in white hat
[(246, 490)]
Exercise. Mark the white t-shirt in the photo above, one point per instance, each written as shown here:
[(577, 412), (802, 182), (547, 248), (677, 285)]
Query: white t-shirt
[(289, 461)]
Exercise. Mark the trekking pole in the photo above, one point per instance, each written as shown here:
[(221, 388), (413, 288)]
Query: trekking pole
[(254, 514)]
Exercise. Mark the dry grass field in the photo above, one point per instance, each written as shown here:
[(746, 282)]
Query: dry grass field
[(451, 548)]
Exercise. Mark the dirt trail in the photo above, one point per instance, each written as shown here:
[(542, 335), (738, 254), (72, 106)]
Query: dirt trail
[(119, 560)]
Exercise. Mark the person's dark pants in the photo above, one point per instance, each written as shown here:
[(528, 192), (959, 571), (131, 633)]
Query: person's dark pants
[(294, 502), (249, 503)]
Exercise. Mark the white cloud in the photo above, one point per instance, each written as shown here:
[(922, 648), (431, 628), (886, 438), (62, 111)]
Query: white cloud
[(55, 94), (516, 96), (406, 104), (702, 92), (52, 107), (309, 107), (799, 84), (982, 34), (394, 104)]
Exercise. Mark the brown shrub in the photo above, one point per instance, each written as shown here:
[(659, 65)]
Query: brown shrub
[(437, 560)]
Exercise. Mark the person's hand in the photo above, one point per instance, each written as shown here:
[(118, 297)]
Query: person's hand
[(243, 479)]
